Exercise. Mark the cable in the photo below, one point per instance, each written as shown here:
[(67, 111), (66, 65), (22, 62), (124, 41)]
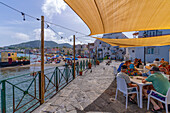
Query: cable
[(19, 11), (65, 28), (48, 26), (23, 14), (53, 30)]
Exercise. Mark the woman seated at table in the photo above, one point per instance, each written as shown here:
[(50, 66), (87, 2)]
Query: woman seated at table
[(162, 60), (165, 68), (135, 62), (127, 63), (139, 63), (160, 84), (131, 71)]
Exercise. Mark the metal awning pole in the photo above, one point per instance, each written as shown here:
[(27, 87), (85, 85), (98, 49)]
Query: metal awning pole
[(74, 55)]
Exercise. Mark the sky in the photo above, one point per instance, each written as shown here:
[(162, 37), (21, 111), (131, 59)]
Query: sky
[(14, 30)]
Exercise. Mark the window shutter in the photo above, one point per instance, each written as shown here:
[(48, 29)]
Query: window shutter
[(156, 50)]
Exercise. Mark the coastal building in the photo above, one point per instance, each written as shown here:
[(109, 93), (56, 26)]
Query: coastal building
[(82, 50), (106, 50), (151, 52), (91, 49), (67, 51)]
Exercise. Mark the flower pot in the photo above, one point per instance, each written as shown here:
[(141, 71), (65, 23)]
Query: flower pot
[(80, 73), (97, 62), (89, 65)]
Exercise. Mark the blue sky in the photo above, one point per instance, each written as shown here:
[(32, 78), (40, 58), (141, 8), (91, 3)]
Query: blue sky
[(14, 30)]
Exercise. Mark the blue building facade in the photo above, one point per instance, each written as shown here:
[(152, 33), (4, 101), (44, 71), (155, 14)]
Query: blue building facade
[(152, 52)]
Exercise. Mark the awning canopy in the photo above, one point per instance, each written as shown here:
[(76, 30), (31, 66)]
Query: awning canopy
[(138, 42), (110, 16)]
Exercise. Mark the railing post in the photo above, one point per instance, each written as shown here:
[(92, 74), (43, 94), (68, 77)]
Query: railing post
[(3, 98), (83, 64), (40, 89), (77, 68), (56, 74), (73, 72), (66, 67), (87, 64)]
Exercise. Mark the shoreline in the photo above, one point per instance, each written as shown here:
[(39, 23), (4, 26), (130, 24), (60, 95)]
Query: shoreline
[(39, 64)]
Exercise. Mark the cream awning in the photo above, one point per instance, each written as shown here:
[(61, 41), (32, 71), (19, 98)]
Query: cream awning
[(138, 42), (110, 16)]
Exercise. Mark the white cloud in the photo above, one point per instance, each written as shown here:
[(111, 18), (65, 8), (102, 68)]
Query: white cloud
[(21, 36), (53, 7), (49, 35)]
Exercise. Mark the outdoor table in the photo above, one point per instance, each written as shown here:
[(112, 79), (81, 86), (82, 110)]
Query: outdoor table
[(138, 80), (141, 70)]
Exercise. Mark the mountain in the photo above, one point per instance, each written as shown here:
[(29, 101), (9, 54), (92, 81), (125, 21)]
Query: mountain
[(37, 44)]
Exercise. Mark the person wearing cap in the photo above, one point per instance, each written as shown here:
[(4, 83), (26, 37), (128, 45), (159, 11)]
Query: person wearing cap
[(160, 84), (122, 74)]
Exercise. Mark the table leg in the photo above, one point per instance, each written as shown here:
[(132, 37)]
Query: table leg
[(140, 91)]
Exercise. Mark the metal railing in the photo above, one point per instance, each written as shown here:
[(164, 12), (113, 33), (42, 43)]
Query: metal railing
[(23, 93)]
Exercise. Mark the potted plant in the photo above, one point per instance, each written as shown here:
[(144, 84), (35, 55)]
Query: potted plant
[(97, 62), (80, 72), (89, 65)]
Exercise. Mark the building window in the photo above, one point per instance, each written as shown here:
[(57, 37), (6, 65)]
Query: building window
[(150, 50), (108, 48), (133, 51)]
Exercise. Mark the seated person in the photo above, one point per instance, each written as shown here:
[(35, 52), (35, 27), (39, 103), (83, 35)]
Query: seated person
[(165, 68), (135, 62), (123, 75), (127, 63), (160, 84), (139, 63), (131, 71), (162, 60), (156, 62), (119, 68)]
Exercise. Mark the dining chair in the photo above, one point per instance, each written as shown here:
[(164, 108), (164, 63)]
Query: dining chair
[(114, 71), (162, 98), (122, 87)]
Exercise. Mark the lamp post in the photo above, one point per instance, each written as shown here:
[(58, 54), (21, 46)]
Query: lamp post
[(145, 35)]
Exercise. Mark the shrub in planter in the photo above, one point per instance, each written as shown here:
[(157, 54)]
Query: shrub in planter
[(97, 62), (80, 72), (89, 65)]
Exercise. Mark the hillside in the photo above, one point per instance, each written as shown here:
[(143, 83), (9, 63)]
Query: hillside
[(37, 44)]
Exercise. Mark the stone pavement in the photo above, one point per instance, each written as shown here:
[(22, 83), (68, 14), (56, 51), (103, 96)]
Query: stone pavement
[(91, 93)]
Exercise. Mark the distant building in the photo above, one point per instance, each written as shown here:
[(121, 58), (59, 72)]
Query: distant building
[(106, 50), (91, 49), (151, 52), (67, 51), (81, 50)]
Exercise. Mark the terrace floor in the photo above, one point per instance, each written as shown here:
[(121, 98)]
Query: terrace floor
[(91, 93)]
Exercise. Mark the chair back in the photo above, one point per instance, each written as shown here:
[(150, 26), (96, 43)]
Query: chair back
[(121, 85), (141, 66), (114, 70), (168, 95)]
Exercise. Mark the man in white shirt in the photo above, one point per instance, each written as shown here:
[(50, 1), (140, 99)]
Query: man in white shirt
[(123, 75)]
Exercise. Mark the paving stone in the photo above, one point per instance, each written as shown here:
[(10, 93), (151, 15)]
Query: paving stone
[(91, 93), (66, 93)]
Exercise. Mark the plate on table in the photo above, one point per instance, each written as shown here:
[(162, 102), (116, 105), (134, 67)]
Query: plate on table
[(140, 78)]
